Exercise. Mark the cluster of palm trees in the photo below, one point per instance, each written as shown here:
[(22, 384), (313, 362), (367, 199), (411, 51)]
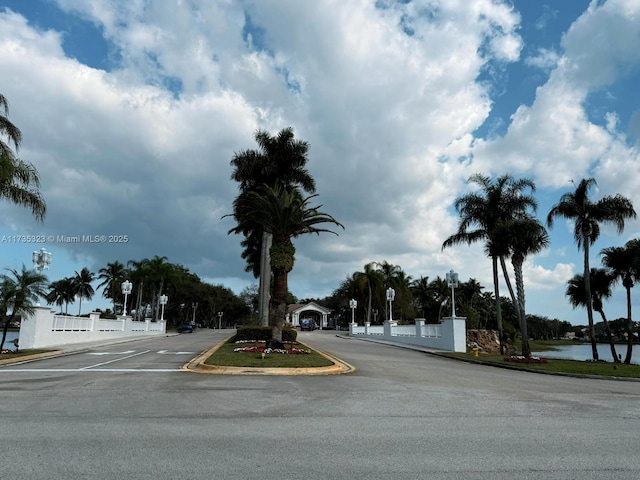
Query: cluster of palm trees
[(501, 215), (414, 298), (273, 207), (621, 265)]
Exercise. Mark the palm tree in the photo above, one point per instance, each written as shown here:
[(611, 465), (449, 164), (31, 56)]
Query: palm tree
[(159, 271), (481, 215), (61, 292), (19, 180), (525, 236), (371, 279), (587, 217), (623, 264), (112, 277), (601, 281), (285, 214), (279, 163), (82, 286), (19, 292)]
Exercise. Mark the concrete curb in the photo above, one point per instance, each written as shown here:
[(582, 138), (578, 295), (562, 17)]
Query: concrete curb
[(197, 365)]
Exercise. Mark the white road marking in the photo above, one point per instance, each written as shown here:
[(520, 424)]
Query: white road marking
[(84, 370), (166, 352), (114, 360), (111, 353)]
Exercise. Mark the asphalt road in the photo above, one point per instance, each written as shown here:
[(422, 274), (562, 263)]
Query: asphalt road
[(126, 411)]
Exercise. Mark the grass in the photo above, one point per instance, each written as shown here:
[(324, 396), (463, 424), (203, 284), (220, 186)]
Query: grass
[(572, 367), (226, 357)]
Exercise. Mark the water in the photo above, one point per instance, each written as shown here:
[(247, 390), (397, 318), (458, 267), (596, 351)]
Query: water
[(582, 351), (10, 336)]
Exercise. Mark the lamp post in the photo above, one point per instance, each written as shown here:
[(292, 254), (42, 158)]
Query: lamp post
[(219, 320), (352, 305), (127, 286), (391, 296), (452, 281), (163, 301), (194, 305), (41, 259)]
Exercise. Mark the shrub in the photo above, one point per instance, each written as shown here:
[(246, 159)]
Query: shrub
[(255, 332)]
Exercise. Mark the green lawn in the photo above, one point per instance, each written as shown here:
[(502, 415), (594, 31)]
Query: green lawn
[(226, 357), (557, 366)]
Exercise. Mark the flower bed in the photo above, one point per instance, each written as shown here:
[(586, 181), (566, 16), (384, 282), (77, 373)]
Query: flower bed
[(521, 359), (292, 351)]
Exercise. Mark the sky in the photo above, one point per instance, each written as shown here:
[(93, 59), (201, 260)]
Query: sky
[(132, 110)]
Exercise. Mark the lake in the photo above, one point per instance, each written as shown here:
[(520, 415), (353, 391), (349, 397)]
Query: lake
[(10, 336), (582, 351)]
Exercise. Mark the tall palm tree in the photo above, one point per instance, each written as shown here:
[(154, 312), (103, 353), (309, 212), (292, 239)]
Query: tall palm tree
[(19, 292), (587, 217), (481, 215), (82, 286), (19, 180), (285, 214), (139, 272), (280, 162), (112, 277), (61, 292), (525, 236), (600, 281), (159, 272), (623, 264), (370, 279)]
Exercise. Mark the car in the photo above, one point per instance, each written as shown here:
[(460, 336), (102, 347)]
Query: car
[(185, 328), (308, 324)]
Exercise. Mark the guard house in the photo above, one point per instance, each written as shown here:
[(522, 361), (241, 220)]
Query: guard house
[(300, 311)]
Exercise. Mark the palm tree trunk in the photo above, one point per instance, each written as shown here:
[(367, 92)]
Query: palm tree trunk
[(612, 345), (587, 291), (627, 358), (496, 289), (524, 333), (279, 311), (369, 304), (265, 279)]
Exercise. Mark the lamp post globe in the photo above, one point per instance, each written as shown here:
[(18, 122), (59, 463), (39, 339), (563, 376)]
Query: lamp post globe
[(391, 296), (41, 259), (353, 304), (452, 281), (126, 286), (163, 301)]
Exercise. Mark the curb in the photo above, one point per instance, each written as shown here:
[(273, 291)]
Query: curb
[(197, 365)]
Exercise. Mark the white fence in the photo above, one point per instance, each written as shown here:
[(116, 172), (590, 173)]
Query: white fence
[(449, 335), (44, 329)]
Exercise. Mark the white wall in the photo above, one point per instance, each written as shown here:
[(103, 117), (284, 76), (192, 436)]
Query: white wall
[(44, 329)]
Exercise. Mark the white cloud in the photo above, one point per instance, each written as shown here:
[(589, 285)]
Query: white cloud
[(388, 98)]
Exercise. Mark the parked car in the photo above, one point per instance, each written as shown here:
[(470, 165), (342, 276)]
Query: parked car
[(185, 328), (307, 324)]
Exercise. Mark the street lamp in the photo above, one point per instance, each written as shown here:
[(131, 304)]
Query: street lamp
[(219, 320), (127, 286), (391, 296), (163, 301), (194, 305), (41, 259), (452, 281), (352, 305)]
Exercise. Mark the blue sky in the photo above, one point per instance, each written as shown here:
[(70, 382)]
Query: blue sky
[(131, 111)]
